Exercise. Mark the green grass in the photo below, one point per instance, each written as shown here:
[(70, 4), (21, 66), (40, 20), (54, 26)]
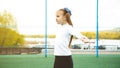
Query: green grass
[(90, 61), (39, 61)]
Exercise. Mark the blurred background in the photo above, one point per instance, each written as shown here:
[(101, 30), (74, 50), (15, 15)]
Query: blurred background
[(22, 25)]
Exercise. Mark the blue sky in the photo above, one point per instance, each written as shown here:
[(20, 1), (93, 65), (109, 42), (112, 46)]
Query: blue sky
[(30, 14)]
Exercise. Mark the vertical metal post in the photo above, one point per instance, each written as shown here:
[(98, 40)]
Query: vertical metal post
[(97, 30), (46, 29)]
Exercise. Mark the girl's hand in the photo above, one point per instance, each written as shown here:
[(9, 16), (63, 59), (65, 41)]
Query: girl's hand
[(85, 40)]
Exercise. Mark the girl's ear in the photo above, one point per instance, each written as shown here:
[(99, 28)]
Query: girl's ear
[(64, 17)]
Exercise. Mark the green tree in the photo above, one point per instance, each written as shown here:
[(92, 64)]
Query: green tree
[(103, 35), (9, 35), (12, 39), (7, 20)]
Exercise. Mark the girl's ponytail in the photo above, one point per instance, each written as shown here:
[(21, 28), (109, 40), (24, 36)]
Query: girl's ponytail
[(68, 19)]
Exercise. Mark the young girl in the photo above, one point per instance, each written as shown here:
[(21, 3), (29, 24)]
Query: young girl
[(65, 32)]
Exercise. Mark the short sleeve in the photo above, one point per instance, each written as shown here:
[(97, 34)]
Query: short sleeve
[(75, 32)]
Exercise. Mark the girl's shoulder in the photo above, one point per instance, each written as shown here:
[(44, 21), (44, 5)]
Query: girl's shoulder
[(69, 26)]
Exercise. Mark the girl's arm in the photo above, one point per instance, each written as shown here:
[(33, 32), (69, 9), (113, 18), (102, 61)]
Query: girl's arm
[(77, 34)]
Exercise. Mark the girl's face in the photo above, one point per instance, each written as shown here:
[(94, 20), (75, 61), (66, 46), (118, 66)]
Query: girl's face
[(60, 17)]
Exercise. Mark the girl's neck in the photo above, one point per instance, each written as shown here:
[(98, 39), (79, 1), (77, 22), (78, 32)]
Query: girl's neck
[(65, 22)]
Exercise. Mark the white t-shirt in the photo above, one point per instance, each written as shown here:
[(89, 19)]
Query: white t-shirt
[(63, 35)]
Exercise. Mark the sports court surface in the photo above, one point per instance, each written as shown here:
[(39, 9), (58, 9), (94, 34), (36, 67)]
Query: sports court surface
[(80, 61)]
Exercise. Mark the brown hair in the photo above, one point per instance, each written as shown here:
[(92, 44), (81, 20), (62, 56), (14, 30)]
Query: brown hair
[(67, 15)]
